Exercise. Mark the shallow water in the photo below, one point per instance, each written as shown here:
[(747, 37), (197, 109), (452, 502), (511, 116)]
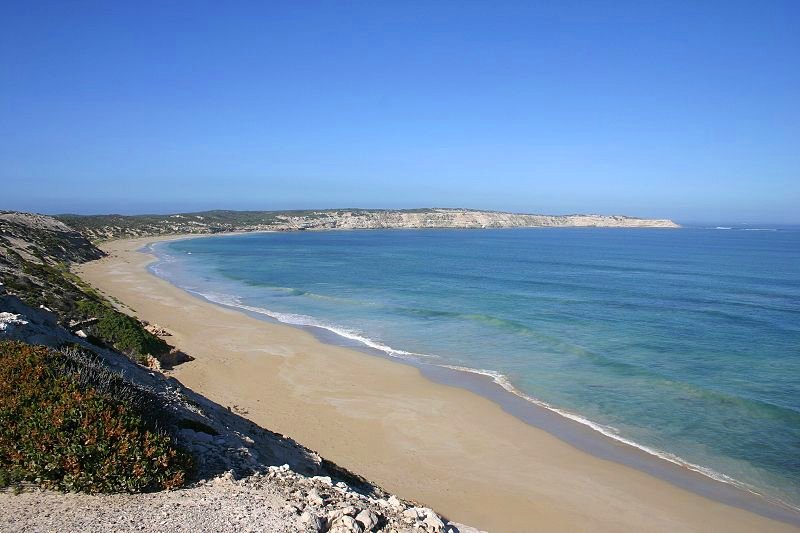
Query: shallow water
[(684, 342)]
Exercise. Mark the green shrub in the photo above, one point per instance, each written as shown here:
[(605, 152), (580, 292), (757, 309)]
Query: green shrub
[(121, 331), (60, 432)]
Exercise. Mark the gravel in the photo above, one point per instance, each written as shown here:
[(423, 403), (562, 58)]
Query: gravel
[(217, 506)]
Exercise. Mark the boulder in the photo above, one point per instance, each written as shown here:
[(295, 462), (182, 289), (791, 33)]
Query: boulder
[(314, 498), (410, 516), (311, 522), (345, 524), (342, 511), (395, 503), (368, 519), (433, 523)]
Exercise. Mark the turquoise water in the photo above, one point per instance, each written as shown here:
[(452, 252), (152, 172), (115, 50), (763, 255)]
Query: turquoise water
[(683, 342)]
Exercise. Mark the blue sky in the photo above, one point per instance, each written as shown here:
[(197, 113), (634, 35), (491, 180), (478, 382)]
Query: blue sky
[(688, 110)]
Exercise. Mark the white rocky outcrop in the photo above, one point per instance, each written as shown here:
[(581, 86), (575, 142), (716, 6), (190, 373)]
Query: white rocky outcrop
[(33, 326)]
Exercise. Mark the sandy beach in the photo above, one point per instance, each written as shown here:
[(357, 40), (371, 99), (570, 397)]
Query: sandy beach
[(444, 446)]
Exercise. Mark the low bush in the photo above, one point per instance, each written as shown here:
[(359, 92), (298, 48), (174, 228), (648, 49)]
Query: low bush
[(121, 331), (68, 426)]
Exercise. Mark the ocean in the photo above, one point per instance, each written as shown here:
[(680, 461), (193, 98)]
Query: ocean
[(684, 343)]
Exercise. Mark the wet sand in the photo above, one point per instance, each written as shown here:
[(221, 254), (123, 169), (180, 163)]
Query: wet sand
[(444, 446)]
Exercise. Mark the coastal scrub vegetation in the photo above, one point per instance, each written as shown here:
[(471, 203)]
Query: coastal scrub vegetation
[(123, 332), (69, 423), (46, 281)]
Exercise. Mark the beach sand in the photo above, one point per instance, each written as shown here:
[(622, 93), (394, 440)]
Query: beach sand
[(446, 447)]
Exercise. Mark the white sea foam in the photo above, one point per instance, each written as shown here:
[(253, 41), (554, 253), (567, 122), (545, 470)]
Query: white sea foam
[(308, 321), (745, 229)]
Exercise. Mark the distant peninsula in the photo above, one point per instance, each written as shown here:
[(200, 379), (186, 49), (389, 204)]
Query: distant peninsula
[(107, 227)]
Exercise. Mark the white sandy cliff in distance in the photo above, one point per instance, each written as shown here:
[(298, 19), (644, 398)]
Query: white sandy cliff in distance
[(107, 227), (462, 218)]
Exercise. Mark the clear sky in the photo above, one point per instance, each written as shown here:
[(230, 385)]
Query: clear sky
[(688, 110)]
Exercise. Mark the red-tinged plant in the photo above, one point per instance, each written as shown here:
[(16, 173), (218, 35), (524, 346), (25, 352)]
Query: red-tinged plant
[(62, 433)]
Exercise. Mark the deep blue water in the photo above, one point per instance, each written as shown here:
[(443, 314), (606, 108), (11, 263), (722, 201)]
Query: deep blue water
[(686, 342)]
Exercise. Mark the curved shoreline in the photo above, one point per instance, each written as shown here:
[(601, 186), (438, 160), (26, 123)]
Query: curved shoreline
[(340, 336), (577, 435), (558, 422)]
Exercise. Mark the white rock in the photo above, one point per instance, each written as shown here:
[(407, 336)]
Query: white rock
[(312, 522), (410, 516), (345, 524), (395, 503), (368, 519), (342, 511), (433, 522), (291, 508), (314, 498)]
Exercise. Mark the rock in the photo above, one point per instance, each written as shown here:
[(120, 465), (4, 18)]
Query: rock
[(10, 321), (314, 498), (410, 516), (424, 518), (292, 509), (191, 435), (173, 358), (433, 522), (157, 330), (342, 511), (345, 524), (368, 519), (311, 521), (152, 363), (395, 503), (40, 316), (33, 326)]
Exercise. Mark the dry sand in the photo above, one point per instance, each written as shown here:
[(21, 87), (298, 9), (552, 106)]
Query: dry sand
[(446, 447)]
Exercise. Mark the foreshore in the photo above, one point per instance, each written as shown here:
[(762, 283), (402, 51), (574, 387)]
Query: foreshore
[(444, 446)]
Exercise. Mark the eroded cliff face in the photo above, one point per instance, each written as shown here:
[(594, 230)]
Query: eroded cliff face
[(105, 227), (458, 218)]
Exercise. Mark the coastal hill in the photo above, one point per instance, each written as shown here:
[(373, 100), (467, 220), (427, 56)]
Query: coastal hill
[(87, 407), (105, 227)]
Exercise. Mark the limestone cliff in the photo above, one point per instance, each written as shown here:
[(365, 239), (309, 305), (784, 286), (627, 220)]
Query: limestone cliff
[(104, 227)]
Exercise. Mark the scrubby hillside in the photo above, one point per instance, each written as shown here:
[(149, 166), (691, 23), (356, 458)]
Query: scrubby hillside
[(78, 412), (43, 239), (104, 227), (35, 253)]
